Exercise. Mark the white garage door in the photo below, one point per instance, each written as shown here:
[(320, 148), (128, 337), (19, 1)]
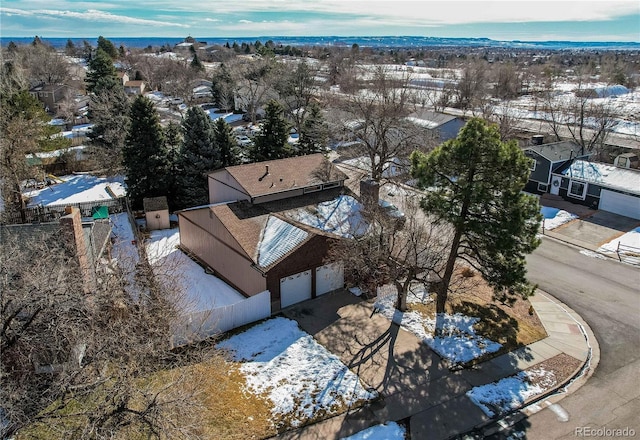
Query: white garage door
[(621, 204), (329, 277), (295, 288)]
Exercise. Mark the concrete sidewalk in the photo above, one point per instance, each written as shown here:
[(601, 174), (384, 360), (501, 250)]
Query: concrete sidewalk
[(415, 385)]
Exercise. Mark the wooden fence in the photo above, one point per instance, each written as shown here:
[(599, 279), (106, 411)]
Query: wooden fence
[(51, 213)]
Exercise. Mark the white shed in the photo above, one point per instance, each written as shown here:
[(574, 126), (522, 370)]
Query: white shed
[(156, 211)]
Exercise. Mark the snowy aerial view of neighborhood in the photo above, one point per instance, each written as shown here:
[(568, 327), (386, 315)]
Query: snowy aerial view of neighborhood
[(357, 221)]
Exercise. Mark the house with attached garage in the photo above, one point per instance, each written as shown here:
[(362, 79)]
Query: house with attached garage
[(247, 239), (547, 159), (600, 186)]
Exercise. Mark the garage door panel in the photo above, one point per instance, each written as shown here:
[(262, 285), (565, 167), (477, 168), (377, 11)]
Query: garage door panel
[(621, 204), (329, 277), (295, 288)]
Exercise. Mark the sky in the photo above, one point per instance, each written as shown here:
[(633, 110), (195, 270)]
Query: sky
[(537, 20)]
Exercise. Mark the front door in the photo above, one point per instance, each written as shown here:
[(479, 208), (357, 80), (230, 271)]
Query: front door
[(555, 185)]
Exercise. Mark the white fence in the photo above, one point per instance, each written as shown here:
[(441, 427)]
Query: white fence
[(200, 325)]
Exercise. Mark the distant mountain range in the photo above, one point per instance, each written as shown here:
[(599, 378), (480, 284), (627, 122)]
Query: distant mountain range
[(376, 42)]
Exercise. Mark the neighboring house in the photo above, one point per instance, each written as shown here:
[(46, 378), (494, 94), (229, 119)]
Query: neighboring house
[(156, 212), (441, 126), (274, 180), (547, 159), (134, 87), (246, 238), (51, 95), (601, 186), (123, 77)]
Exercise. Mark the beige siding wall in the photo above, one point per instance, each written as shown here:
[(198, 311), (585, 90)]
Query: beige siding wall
[(212, 224), (157, 219), (225, 261), (224, 188)]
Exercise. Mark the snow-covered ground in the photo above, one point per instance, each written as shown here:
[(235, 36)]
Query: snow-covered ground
[(299, 376), (627, 245), (457, 340), (511, 392), (630, 239), (554, 217), (78, 188), (197, 290), (388, 431)]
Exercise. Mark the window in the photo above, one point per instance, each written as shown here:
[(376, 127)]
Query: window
[(577, 189), (310, 189), (331, 185), (543, 187), (532, 164)]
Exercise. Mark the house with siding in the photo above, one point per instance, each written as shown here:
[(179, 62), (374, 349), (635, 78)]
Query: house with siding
[(600, 186), (441, 126), (547, 159), (245, 237)]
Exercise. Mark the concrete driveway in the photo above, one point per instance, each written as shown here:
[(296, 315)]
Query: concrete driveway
[(594, 230)]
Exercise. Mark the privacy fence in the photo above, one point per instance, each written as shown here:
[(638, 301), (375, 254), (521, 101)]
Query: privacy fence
[(51, 213)]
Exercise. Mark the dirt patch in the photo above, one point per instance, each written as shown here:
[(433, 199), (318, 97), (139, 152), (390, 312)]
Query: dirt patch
[(562, 366)]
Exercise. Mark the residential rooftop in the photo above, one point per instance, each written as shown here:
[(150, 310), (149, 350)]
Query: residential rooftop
[(623, 179), (558, 151)]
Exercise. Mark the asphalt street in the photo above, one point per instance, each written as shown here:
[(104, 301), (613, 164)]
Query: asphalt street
[(606, 294)]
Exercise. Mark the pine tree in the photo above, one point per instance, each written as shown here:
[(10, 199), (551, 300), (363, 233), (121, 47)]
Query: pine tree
[(271, 143), (226, 142), (108, 47), (144, 154), (70, 48), (173, 139), (101, 74), (199, 155), (222, 88), (315, 132), (475, 184), (196, 64)]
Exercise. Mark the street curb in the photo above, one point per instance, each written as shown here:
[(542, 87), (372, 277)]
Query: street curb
[(569, 385)]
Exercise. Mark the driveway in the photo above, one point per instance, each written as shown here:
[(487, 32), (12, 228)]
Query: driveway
[(594, 230)]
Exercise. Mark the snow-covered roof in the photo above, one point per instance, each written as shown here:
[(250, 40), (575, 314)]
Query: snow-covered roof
[(429, 119), (624, 179), (278, 239), (341, 216)]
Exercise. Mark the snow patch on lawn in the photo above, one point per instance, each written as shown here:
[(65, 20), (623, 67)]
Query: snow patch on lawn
[(388, 431), (630, 239), (554, 217), (512, 392), (457, 340), (300, 377), (197, 290)]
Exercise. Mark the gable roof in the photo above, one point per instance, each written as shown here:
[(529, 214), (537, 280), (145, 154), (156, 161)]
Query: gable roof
[(273, 176), (264, 237), (155, 203), (609, 176), (430, 119), (558, 151)]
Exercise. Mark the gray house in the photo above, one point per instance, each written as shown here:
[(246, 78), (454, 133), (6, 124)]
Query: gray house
[(440, 125), (547, 159), (600, 186)]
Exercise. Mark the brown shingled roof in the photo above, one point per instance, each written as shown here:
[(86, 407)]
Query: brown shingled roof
[(274, 176)]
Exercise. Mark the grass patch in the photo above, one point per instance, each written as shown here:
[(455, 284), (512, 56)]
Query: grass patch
[(513, 326)]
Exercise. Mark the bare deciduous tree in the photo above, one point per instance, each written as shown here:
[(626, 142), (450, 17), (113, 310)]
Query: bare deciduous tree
[(90, 365)]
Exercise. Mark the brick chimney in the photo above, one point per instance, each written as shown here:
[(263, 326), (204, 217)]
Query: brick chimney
[(71, 225)]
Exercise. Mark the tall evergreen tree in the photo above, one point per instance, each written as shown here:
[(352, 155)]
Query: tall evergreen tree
[(315, 132), (196, 64), (226, 143), (144, 154), (70, 48), (101, 73), (271, 142), (199, 156), (108, 47), (475, 184), (173, 139)]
